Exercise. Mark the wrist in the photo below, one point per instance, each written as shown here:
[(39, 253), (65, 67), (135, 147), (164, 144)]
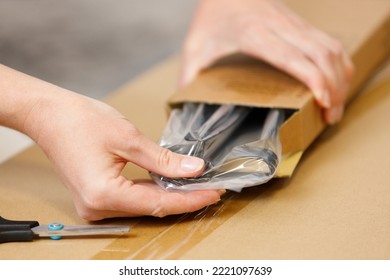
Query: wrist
[(26, 102)]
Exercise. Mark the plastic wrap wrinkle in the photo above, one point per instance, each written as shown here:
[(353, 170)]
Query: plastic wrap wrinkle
[(240, 145)]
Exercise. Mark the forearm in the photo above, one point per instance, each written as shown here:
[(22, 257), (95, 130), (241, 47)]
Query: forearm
[(89, 144), (23, 99)]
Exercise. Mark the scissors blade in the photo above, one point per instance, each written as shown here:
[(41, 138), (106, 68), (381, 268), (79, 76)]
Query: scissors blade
[(78, 230)]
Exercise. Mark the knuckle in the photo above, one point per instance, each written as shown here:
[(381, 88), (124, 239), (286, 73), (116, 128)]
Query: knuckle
[(134, 139), (194, 43), (303, 25), (248, 39), (88, 215), (91, 205), (159, 209), (331, 52), (192, 46), (325, 54), (247, 23), (164, 158), (133, 131), (159, 213), (337, 48), (94, 202), (318, 81), (247, 30)]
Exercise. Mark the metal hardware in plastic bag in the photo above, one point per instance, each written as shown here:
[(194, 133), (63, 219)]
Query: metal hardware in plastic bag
[(239, 144)]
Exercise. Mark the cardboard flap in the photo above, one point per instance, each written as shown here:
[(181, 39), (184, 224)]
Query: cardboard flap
[(245, 81), (242, 80)]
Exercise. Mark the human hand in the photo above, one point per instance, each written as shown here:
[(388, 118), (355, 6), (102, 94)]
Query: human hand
[(89, 143), (268, 30)]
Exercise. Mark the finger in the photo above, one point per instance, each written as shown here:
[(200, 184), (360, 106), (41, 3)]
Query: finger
[(189, 69), (337, 48), (330, 60), (272, 49), (349, 67), (334, 114), (196, 61), (333, 57), (201, 52), (124, 198), (323, 57), (330, 57), (325, 51), (160, 203), (143, 152)]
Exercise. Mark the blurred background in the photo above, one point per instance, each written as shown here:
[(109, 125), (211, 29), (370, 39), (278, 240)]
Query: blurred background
[(88, 46)]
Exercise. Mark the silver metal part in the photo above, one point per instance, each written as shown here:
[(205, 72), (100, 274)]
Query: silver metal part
[(79, 230)]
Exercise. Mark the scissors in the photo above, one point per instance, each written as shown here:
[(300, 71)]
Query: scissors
[(16, 231)]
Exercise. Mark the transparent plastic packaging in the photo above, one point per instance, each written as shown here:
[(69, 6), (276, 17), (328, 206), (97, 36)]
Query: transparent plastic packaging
[(240, 145)]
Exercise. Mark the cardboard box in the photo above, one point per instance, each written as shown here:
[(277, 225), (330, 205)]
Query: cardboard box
[(336, 206), (364, 31)]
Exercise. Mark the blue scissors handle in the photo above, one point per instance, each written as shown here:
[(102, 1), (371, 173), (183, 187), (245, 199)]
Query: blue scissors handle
[(12, 231)]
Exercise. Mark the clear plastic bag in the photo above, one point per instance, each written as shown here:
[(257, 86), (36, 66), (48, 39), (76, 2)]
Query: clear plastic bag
[(240, 145)]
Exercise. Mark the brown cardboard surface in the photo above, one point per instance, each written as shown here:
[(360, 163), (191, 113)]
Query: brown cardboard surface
[(336, 206), (364, 31)]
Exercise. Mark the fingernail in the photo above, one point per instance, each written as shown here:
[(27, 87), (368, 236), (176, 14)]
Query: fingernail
[(191, 164), (323, 98), (335, 114)]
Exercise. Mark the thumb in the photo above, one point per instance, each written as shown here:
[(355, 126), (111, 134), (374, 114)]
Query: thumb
[(195, 60), (147, 154), (189, 69)]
